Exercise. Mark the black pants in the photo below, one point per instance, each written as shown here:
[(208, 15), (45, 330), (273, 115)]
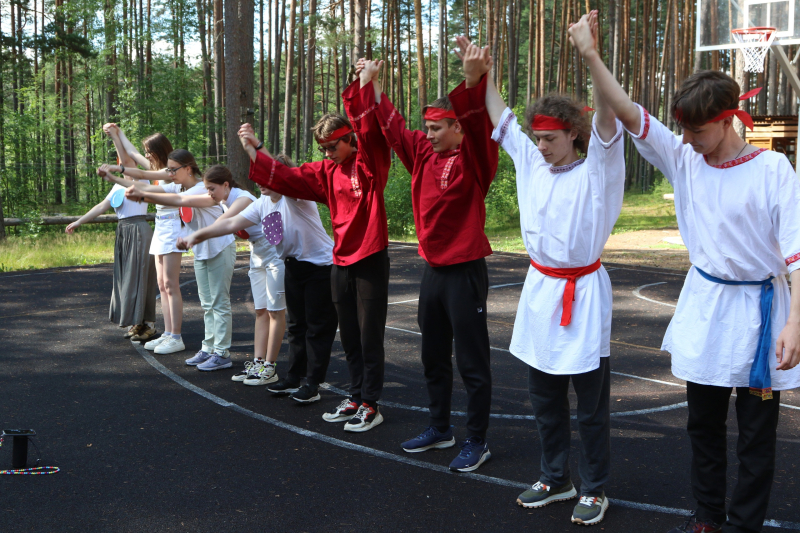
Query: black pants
[(310, 319), (452, 304), (755, 449), (551, 407), (361, 296)]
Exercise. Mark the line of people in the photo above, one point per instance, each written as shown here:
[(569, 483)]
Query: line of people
[(736, 324)]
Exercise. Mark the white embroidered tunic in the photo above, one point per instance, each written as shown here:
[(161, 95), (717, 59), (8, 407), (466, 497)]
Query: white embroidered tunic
[(566, 215), (740, 222)]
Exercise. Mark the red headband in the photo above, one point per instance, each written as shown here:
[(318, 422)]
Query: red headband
[(437, 113), (338, 134), (744, 116), (544, 122)]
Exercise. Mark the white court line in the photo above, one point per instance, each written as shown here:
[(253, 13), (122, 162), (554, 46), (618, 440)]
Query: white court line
[(398, 458), (506, 285), (639, 295), (340, 392), (404, 301)]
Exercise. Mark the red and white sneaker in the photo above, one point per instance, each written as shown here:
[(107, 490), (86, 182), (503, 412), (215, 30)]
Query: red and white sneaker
[(344, 411), (365, 419)]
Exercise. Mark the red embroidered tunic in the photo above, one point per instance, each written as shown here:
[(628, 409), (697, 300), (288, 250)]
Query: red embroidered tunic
[(447, 189), (353, 191)]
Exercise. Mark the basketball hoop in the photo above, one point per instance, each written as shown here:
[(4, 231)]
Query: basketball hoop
[(754, 44)]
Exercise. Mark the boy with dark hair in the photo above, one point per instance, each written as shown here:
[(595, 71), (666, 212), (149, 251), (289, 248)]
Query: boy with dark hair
[(568, 205), (736, 324), (452, 167), (350, 182)]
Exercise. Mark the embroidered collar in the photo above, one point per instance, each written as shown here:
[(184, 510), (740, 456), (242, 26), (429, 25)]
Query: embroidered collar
[(566, 168), (450, 153), (737, 161)]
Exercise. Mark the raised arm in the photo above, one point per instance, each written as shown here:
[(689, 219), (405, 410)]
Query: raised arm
[(370, 71), (221, 226), (476, 62), (113, 131), (607, 91), (105, 172), (133, 153), (139, 194)]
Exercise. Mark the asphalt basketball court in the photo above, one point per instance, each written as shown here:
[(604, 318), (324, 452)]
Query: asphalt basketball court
[(146, 443)]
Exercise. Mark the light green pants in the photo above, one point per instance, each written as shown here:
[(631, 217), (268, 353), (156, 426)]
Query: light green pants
[(214, 287)]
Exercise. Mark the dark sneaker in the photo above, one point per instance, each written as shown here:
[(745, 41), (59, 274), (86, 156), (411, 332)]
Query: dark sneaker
[(693, 525), (306, 394), (365, 419), (344, 411), (590, 510), (283, 386), (134, 330), (474, 452), (540, 494), (145, 334), (430, 438)]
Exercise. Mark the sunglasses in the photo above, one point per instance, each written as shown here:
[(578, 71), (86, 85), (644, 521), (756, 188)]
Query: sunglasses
[(172, 171), (331, 147)]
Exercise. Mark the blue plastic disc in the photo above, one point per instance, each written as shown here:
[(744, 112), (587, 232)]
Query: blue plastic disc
[(117, 198)]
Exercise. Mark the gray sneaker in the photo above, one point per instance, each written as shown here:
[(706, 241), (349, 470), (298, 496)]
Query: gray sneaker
[(199, 357), (215, 362), (540, 495), (590, 510)]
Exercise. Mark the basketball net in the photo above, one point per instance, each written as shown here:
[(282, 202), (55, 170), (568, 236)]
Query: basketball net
[(755, 43)]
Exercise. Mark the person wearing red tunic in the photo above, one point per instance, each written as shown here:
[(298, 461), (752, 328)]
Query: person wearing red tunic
[(350, 181), (452, 167)]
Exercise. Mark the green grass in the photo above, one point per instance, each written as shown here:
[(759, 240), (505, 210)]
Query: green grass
[(647, 211), (56, 250)]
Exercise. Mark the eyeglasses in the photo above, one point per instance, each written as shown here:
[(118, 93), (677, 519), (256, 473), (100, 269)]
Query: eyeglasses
[(329, 149), (173, 171)]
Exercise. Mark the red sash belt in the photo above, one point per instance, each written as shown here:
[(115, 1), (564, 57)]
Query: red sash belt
[(571, 275)]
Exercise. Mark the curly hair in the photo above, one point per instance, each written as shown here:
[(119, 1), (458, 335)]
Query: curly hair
[(703, 96), (329, 123), (566, 110)]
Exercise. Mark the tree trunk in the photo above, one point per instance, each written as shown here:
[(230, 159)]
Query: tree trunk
[(441, 83), (239, 28), (360, 18), (274, 125), (308, 113), (219, 75), (287, 105), (208, 88), (422, 89)]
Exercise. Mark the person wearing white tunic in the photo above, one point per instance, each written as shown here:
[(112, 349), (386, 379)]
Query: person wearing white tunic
[(213, 260), (568, 206), (738, 211)]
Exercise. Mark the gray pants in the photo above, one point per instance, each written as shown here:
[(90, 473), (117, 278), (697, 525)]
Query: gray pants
[(548, 394)]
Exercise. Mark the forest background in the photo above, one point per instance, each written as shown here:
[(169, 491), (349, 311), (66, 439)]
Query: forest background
[(195, 69)]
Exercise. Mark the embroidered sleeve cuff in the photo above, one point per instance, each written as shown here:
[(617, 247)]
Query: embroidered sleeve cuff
[(793, 262), (499, 133), (645, 125), (617, 135)]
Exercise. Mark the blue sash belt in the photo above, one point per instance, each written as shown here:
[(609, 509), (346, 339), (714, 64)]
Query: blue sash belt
[(760, 379)]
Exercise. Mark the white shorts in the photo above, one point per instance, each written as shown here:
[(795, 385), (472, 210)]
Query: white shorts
[(165, 236), (266, 277)]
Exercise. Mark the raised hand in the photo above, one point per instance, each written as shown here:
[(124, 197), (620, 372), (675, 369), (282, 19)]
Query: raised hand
[(583, 34), (476, 61), (368, 70), (105, 172), (184, 244), (111, 129)]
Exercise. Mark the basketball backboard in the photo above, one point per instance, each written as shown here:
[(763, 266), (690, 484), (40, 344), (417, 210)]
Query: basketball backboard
[(716, 19)]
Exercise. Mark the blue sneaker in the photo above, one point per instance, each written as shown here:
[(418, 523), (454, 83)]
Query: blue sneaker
[(474, 452), (215, 362), (199, 357), (430, 438)]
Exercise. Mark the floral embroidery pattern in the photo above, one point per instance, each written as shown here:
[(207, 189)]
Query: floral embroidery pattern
[(272, 172), (389, 120), (566, 168), (646, 128), (504, 128), (739, 161), (792, 259), (356, 185), (365, 113), (444, 179), (472, 112)]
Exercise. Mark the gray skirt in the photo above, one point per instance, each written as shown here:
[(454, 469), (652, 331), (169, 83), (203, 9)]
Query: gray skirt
[(133, 300)]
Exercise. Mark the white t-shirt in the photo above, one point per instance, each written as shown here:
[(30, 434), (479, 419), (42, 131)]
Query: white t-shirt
[(566, 216), (129, 208), (202, 217), (304, 237), (255, 232), (740, 222), (172, 188)]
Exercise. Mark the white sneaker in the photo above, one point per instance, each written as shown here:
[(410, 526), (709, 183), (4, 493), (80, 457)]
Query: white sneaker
[(151, 345), (170, 345), (250, 368), (266, 375)]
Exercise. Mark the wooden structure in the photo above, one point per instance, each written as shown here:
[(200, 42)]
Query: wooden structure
[(774, 132)]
